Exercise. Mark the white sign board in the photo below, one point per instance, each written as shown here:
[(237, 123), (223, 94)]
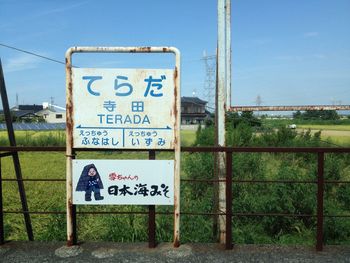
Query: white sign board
[(123, 182), (123, 108)]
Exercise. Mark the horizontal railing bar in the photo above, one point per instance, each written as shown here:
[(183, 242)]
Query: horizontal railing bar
[(35, 212), (202, 180), (267, 181), (276, 181), (272, 214), (336, 182), (268, 149), (188, 149), (33, 148), (120, 150), (88, 212), (236, 214), (33, 180), (113, 212), (196, 180)]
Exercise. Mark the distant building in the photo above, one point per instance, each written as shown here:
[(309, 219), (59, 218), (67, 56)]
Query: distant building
[(193, 111), (52, 115), (36, 113), (33, 108), (26, 113)]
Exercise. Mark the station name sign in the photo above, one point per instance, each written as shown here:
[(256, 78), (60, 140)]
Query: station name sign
[(123, 108)]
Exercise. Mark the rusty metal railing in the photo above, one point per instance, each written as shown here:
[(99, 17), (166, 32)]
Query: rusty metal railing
[(289, 108), (320, 182)]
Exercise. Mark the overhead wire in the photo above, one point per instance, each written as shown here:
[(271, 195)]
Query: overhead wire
[(32, 53)]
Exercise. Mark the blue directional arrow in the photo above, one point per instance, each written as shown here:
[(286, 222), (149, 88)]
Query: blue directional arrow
[(123, 128)]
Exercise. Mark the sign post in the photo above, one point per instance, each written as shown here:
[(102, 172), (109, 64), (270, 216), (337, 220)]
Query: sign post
[(122, 109)]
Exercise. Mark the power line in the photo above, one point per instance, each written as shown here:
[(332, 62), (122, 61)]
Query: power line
[(33, 54), (209, 85), (61, 62)]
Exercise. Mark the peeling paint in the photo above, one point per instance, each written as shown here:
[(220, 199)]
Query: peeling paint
[(289, 108), (70, 124)]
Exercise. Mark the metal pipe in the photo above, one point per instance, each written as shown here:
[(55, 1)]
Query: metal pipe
[(2, 233), (196, 149), (152, 214), (228, 243), (69, 148), (177, 147), (144, 49), (320, 191), (74, 215), (289, 108), (176, 110)]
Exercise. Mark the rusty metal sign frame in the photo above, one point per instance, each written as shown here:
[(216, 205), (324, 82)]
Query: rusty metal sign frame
[(70, 152)]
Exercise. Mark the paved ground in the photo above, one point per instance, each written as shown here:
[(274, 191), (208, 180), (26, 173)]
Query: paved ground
[(139, 252)]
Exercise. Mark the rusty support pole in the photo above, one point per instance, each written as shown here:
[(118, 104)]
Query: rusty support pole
[(71, 237), (228, 242), (220, 115), (177, 147), (2, 232), (70, 124), (152, 214), (15, 157), (320, 191)]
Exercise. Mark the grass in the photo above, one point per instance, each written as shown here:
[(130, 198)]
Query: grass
[(36, 138), (50, 196), (187, 137), (343, 141), (325, 127), (58, 137), (334, 134), (52, 165)]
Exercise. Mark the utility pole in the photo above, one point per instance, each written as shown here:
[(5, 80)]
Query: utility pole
[(209, 85), (222, 105), (258, 102)]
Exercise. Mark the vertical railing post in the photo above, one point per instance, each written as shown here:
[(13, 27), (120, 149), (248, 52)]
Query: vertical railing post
[(228, 200), (152, 214), (2, 232), (320, 192), (74, 224), (74, 215), (15, 157)]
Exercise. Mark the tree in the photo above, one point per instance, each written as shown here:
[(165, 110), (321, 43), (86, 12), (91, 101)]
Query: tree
[(247, 117), (317, 115), (297, 115)]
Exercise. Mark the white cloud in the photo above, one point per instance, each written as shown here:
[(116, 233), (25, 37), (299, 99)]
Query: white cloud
[(21, 62), (64, 8), (44, 13), (311, 34)]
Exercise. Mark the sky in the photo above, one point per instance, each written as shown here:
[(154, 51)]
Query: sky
[(288, 52)]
